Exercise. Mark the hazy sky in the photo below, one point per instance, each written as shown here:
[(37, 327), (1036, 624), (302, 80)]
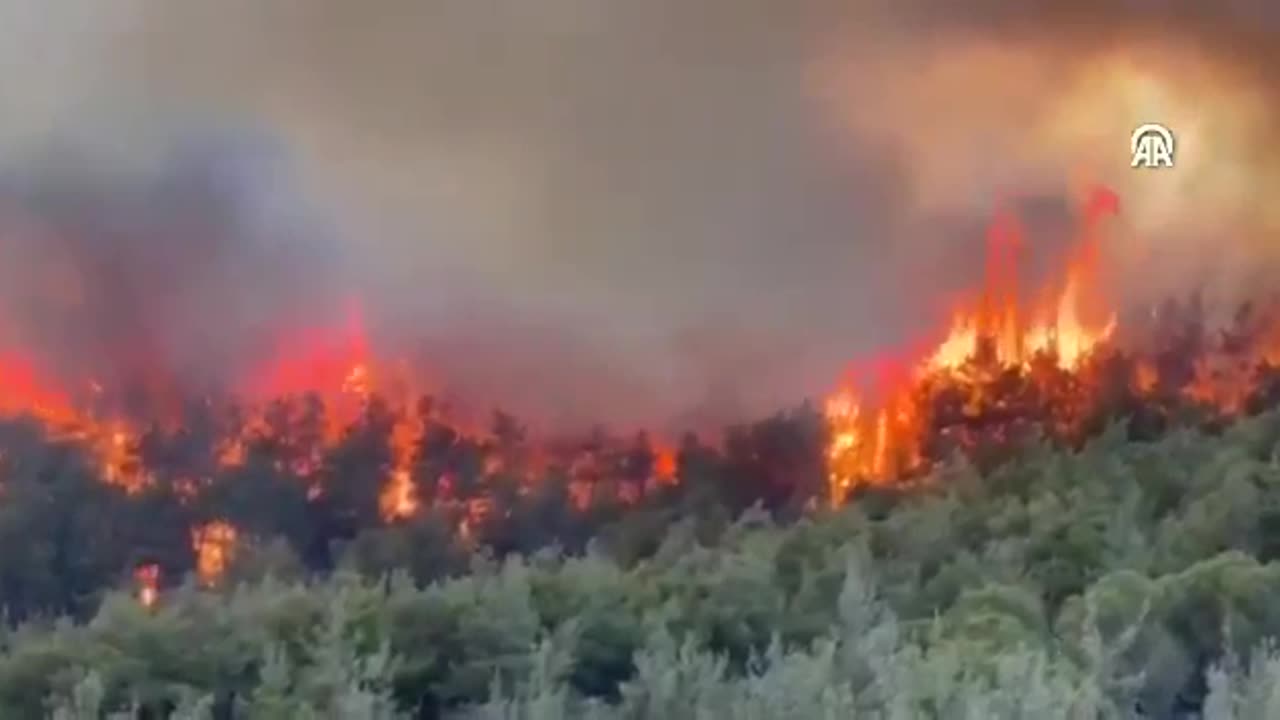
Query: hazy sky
[(623, 208)]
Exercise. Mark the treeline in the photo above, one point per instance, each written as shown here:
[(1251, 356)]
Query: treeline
[(1124, 580), (70, 536)]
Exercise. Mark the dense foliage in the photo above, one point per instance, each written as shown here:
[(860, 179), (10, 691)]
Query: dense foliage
[(1126, 579), (82, 535)]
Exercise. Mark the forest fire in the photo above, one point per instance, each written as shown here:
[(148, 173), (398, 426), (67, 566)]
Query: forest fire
[(987, 338), (1005, 364), (321, 396), (346, 440)]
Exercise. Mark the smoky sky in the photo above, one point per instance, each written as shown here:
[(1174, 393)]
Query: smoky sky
[(179, 271), (614, 209)]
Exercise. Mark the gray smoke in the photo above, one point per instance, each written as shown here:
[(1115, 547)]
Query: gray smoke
[(619, 210)]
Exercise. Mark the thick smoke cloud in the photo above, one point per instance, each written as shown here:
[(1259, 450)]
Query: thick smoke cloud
[(637, 210), (1039, 98), (167, 277)]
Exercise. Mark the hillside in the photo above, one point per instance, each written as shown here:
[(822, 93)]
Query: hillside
[(1126, 579)]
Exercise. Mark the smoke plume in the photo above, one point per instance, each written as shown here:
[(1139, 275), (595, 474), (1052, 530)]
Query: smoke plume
[(605, 209)]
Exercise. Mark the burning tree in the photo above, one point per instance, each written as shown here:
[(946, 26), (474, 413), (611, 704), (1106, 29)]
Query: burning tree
[(1057, 365), (341, 452)]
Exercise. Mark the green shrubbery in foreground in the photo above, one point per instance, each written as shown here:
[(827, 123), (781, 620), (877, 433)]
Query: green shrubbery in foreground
[(1123, 580)]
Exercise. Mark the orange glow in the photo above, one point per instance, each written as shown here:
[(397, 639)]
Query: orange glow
[(664, 466), (313, 389), (148, 579), (214, 545), (24, 390), (332, 364), (399, 497), (876, 441), (1015, 348), (867, 445), (1012, 334)]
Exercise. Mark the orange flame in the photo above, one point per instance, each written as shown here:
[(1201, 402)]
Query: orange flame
[(25, 391), (214, 544), (873, 442), (399, 497)]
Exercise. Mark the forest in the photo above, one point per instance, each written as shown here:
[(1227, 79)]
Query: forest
[(1123, 577), (607, 360), (1043, 518)]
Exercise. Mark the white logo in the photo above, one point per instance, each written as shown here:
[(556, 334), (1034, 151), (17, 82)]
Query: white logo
[(1152, 146)]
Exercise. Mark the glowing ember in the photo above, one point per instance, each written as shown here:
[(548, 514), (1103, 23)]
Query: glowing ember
[(664, 466), (214, 545), (148, 579)]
